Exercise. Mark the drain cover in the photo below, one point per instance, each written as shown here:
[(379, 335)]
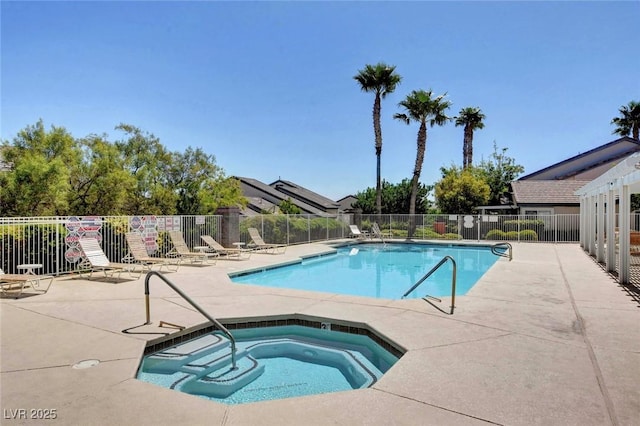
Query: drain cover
[(87, 363)]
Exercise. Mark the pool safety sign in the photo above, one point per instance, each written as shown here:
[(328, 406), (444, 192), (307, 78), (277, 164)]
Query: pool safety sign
[(80, 227), (147, 227)]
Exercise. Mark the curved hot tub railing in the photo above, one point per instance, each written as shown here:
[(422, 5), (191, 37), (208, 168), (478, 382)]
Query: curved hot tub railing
[(192, 303)]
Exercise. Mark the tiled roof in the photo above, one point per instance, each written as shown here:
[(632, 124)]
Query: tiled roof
[(546, 191)]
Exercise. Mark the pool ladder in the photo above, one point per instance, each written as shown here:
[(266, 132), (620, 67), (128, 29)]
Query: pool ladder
[(495, 247), (192, 303), (431, 271)]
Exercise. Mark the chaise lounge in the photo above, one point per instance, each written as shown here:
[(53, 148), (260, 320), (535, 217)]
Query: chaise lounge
[(14, 284), (224, 252), (259, 244), (95, 260), (138, 254), (182, 250)]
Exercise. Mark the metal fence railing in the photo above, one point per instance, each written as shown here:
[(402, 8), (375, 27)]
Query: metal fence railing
[(546, 228), (53, 241), (296, 229)]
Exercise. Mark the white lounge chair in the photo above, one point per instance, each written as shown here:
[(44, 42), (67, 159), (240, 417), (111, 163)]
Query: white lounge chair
[(355, 232), (96, 261), (224, 252), (182, 250), (260, 245), (14, 284), (138, 254)]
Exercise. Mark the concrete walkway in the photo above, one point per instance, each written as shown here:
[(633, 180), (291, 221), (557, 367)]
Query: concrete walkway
[(546, 339)]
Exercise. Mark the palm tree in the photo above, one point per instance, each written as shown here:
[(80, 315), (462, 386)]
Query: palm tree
[(471, 118), (422, 107), (629, 120), (381, 80)]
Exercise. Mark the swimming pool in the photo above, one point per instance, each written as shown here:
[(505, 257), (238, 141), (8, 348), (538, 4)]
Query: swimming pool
[(272, 363), (383, 271)]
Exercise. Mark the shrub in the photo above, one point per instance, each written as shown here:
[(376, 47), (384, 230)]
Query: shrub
[(496, 234), (524, 224), (511, 235), (528, 235), (452, 236), (429, 234)]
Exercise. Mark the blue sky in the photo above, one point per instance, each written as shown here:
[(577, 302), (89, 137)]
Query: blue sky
[(267, 87)]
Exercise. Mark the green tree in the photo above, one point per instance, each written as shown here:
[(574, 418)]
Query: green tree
[(471, 118), (221, 191), (395, 198), (287, 207), (628, 123), (499, 171), (460, 191), (422, 107), (99, 185), (380, 79), (200, 184), (38, 182), (150, 164)]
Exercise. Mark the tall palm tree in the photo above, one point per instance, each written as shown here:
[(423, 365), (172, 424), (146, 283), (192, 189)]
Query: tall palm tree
[(629, 120), (422, 107), (382, 80), (471, 118)]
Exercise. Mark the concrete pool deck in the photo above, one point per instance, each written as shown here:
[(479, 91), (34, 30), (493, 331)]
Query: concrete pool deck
[(548, 338)]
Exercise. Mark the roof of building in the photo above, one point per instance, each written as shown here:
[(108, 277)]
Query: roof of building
[(305, 195), (346, 203), (546, 191), (264, 191), (590, 164)]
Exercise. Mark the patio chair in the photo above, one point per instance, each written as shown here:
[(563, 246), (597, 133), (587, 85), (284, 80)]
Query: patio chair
[(259, 244), (138, 254), (228, 253), (14, 284), (96, 261), (375, 230), (355, 232), (182, 250)]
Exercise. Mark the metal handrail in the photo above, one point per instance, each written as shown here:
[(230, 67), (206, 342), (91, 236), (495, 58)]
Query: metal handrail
[(428, 274), (192, 303), (502, 254)]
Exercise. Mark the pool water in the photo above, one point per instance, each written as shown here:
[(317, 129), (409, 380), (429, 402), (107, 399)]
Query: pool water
[(384, 271), (272, 363)]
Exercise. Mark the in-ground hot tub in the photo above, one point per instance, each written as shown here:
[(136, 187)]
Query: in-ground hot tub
[(275, 359)]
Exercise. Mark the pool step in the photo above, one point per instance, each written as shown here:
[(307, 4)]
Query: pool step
[(224, 381), (175, 358)]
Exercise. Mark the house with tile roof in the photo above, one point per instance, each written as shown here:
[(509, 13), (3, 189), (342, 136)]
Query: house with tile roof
[(590, 164), (538, 197), (551, 190)]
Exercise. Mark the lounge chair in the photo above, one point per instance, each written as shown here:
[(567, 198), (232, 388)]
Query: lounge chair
[(259, 244), (355, 232), (182, 250), (375, 230), (14, 284), (228, 253), (138, 254), (96, 261)]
